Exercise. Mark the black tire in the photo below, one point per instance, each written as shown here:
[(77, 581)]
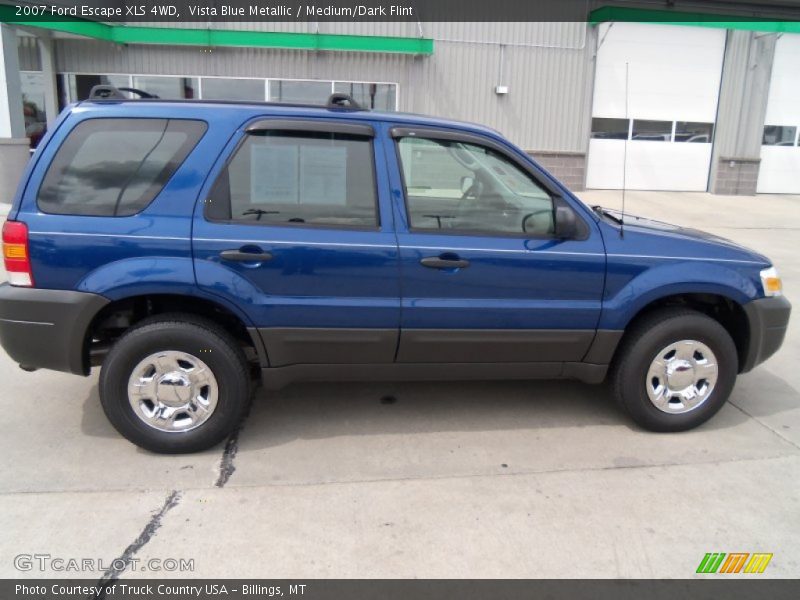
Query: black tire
[(183, 333), (639, 347)]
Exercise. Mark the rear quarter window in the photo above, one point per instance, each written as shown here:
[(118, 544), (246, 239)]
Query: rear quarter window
[(116, 167)]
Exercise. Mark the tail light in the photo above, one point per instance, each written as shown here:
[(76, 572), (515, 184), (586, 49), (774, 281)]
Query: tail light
[(16, 257)]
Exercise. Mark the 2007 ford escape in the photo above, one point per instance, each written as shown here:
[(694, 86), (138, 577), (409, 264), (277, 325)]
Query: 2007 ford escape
[(192, 247)]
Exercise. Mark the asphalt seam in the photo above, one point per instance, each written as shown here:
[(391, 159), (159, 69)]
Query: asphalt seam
[(121, 563), (429, 477)]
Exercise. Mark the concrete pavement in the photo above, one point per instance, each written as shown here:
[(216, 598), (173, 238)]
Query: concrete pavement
[(503, 479)]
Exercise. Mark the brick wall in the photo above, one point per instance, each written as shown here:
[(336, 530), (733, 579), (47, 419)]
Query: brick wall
[(567, 167), (736, 176)]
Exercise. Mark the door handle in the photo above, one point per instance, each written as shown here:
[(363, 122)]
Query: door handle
[(437, 262), (241, 256)]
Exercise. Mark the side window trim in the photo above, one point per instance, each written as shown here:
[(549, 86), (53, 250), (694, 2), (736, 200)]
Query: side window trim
[(298, 125), (435, 133)]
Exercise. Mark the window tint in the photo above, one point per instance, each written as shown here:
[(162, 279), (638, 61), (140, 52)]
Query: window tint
[(289, 177), (115, 167), (779, 135), (455, 186), (653, 131), (696, 133), (610, 129)]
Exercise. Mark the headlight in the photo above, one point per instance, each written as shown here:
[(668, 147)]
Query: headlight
[(771, 282)]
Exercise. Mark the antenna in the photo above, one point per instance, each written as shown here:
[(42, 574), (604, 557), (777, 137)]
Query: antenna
[(625, 158)]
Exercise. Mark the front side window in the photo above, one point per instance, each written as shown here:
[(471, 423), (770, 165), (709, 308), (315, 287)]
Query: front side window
[(116, 167), (298, 177), (456, 187)]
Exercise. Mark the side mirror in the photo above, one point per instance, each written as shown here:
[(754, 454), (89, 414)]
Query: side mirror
[(466, 183), (566, 225)]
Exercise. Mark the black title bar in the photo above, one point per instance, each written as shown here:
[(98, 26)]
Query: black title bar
[(309, 11)]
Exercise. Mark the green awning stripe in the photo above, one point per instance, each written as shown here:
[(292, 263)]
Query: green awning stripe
[(672, 17), (119, 34)]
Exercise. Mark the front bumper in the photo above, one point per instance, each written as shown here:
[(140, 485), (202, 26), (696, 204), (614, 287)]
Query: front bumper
[(47, 328), (768, 319)]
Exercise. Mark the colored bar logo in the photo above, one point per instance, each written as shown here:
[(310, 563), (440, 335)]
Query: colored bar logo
[(735, 562)]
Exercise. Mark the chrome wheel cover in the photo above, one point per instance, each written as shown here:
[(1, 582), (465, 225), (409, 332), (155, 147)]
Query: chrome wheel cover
[(681, 377), (172, 391)]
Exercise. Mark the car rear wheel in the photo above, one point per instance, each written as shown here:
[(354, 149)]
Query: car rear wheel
[(174, 384), (675, 369)]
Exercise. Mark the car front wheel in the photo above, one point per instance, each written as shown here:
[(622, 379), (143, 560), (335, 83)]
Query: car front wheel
[(675, 369)]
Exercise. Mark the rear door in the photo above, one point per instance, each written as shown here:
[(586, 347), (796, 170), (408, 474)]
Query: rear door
[(484, 277), (296, 230)]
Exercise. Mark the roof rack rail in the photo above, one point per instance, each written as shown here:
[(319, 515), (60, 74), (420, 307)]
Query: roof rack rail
[(109, 92), (341, 100)]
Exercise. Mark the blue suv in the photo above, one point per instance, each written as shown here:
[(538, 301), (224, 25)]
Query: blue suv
[(194, 249)]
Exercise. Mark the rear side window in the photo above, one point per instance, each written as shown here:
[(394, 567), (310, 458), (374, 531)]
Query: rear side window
[(116, 167), (298, 177)]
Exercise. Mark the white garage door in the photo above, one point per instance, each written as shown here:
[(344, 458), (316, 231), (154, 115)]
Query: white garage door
[(780, 154), (665, 122)]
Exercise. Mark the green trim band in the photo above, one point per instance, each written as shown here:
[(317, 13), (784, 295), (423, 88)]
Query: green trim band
[(671, 17), (119, 34)]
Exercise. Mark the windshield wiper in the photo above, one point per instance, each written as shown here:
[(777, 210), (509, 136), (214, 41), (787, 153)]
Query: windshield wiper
[(604, 212)]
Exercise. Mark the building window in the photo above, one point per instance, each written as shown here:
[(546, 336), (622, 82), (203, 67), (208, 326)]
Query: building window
[(375, 96), (610, 129), (81, 85), (74, 87), (651, 131), (779, 135), (220, 88), (33, 106), (299, 92), (171, 88), (696, 133)]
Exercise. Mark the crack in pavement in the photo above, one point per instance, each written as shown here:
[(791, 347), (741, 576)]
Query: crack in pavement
[(120, 564), (226, 466)]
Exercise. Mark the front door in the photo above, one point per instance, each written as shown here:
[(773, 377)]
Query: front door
[(296, 231), (485, 278)]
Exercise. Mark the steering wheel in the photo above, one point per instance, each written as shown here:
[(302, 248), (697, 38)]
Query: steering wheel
[(533, 214)]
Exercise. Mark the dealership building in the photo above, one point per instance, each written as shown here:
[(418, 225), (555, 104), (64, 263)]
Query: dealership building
[(704, 105)]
